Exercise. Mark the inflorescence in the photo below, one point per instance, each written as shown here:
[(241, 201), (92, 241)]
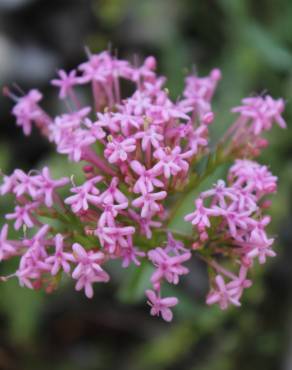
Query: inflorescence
[(141, 156)]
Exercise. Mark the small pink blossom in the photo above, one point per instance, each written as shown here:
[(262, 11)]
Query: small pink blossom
[(95, 129), (114, 237), (168, 267), (161, 305), (113, 194), (262, 111), (38, 241), (149, 137), (8, 185), (127, 122), (130, 254), (27, 110), (25, 184), (60, 260), (84, 195), (222, 294), (237, 285), (22, 216), (118, 150), (253, 177), (65, 83), (7, 248), (148, 203), (110, 212), (33, 262), (170, 162), (88, 270), (200, 216), (47, 186), (147, 180)]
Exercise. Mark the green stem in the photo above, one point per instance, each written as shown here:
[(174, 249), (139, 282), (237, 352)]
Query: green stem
[(71, 223)]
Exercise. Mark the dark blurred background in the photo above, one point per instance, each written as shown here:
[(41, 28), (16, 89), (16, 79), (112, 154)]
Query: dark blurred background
[(251, 41)]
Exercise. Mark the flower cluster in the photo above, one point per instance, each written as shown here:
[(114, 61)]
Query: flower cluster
[(141, 154), (240, 224)]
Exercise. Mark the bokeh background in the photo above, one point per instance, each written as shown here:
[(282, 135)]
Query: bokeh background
[(251, 41)]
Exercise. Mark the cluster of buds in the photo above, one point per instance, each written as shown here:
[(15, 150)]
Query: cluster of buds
[(142, 155)]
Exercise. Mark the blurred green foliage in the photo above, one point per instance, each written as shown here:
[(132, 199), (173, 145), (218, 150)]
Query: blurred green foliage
[(252, 43)]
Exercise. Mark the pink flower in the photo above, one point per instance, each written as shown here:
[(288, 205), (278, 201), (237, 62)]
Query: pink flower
[(170, 162), (200, 215), (65, 83), (164, 110), (112, 193), (168, 267), (38, 241), (198, 138), (222, 294), (161, 305), (259, 245), (144, 72), (138, 104), (25, 184), (233, 218), (31, 268), (262, 111), (84, 194), (8, 185), (130, 254), (65, 125), (47, 186), (74, 144), (154, 87), (145, 223), (237, 285), (174, 246), (149, 137), (93, 69), (22, 215), (253, 177), (199, 91), (107, 121), (110, 212), (147, 180), (60, 260), (114, 237), (7, 248), (117, 150), (33, 262), (88, 270), (148, 203), (127, 122), (68, 133), (27, 110), (95, 129), (221, 194)]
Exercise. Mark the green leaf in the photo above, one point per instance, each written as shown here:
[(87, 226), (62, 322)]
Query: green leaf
[(135, 282), (22, 306), (272, 51)]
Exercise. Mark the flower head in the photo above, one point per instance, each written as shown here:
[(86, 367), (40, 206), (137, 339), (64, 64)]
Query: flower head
[(161, 305), (143, 156)]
